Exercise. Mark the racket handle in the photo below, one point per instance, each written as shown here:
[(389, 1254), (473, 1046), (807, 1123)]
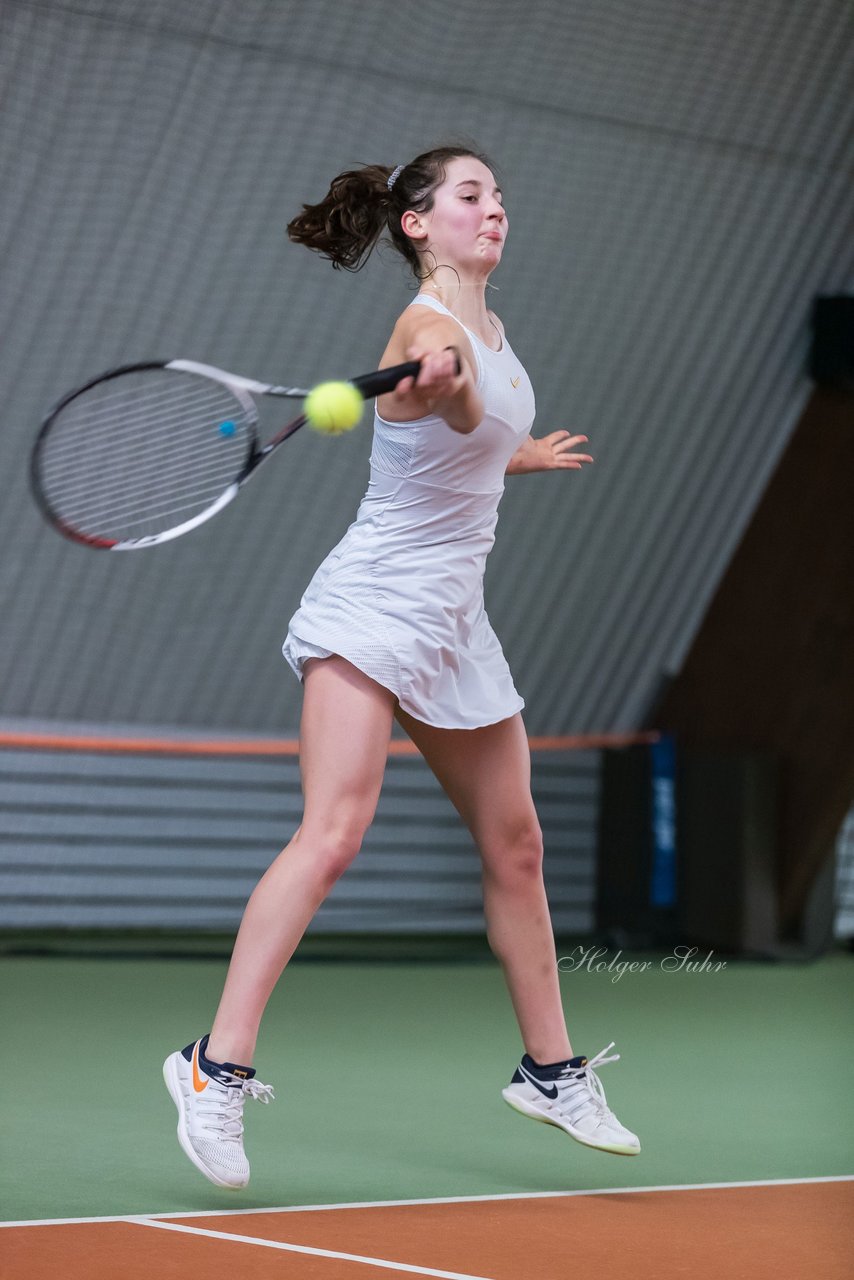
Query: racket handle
[(377, 384)]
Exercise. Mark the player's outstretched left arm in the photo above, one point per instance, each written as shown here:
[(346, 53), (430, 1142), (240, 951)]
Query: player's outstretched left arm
[(554, 452)]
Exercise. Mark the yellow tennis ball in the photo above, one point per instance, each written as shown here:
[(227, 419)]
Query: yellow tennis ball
[(333, 407)]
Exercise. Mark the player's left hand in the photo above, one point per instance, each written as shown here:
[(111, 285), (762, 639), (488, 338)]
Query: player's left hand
[(554, 452)]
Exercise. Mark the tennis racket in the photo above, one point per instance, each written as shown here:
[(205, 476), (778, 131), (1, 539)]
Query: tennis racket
[(147, 452)]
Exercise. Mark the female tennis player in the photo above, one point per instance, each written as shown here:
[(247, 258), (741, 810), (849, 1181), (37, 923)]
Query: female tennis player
[(392, 626)]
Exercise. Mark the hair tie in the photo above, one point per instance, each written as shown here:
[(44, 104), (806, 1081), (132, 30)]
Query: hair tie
[(395, 175)]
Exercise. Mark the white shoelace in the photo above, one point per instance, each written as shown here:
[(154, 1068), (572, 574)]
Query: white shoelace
[(225, 1120), (583, 1088)]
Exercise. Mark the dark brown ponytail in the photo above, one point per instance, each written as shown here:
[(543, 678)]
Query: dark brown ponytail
[(359, 206), (347, 223)]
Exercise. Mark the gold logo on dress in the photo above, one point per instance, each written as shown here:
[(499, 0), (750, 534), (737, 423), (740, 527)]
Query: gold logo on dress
[(514, 382)]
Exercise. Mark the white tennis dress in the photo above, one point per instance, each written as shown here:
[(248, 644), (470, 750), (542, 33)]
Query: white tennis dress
[(401, 595)]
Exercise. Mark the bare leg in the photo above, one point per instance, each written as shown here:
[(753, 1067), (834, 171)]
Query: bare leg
[(344, 735), (487, 775)]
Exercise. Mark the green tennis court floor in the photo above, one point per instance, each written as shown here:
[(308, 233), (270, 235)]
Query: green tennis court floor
[(388, 1080)]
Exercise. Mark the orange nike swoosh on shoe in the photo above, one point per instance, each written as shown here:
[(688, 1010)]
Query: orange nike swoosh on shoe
[(198, 1084)]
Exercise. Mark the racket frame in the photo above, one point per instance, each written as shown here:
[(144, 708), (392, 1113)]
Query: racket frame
[(243, 389)]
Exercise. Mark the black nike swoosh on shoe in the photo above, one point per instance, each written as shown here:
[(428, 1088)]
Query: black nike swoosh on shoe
[(538, 1084)]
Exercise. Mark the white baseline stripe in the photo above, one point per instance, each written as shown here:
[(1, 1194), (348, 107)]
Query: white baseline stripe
[(409, 1268), (391, 1204)]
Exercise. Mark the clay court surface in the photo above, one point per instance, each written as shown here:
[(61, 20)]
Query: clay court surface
[(762, 1232), (404, 1158)]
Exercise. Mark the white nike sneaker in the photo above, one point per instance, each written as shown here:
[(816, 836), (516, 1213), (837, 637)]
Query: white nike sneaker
[(209, 1097), (570, 1095)]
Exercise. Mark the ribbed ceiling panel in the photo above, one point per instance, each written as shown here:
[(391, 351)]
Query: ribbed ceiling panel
[(679, 184)]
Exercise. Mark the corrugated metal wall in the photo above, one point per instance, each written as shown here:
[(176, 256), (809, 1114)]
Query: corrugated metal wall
[(679, 184), (91, 840)]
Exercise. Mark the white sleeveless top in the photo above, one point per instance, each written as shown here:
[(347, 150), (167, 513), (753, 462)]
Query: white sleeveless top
[(401, 595)]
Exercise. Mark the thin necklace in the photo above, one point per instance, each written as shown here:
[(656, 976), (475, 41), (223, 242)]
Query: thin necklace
[(461, 285)]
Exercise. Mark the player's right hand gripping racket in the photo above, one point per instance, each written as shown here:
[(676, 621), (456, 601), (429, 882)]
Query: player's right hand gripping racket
[(145, 453)]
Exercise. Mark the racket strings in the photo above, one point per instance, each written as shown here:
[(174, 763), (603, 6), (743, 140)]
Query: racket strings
[(139, 454), (80, 489), (143, 517), (99, 421), (140, 399), (97, 491)]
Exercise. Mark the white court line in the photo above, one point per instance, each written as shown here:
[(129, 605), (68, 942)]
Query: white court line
[(392, 1204), (409, 1268)]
